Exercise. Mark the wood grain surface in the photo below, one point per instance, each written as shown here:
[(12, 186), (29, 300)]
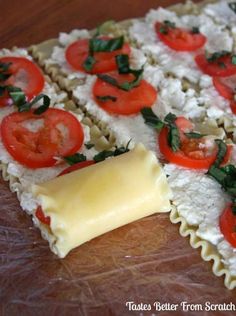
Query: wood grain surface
[(144, 262), (26, 22)]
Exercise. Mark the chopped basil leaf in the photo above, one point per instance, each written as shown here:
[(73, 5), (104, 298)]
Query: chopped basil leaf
[(233, 59), (104, 98), (152, 119), (76, 158), (173, 137), (127, 85), (222, 149), (89, 145), (111, 153), (103, 155), (173, 134), (232, 6), (108, 79), (42, 108), (89, 63), (195, 30), (163, 29), (169, 24), (221, 64), (101, 45), (4, 67), (122, 62), (19, 100), (194, 135), (215, 56), (170, 118), (105, 45), (225, 176)]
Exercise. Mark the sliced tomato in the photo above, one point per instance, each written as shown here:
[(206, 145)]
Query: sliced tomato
[(180, 39), (191, 154), (228, 225), (25, 75), (58, 133), (77, 52), (77, 166), (80, 165), (225, 88), (233, 106), (222, 67), (41, 216), (127, 102)]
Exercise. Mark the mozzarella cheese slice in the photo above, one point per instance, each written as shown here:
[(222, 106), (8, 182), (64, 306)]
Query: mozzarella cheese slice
[(97, 199)]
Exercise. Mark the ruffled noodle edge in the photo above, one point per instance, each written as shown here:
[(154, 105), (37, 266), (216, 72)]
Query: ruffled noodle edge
[(208, 251)]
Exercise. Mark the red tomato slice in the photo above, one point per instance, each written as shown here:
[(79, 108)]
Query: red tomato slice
[(77, 166), (233, 106), (80, 165), (228, 225), (41, 217), (77, 52), (225, 88), (127, 102), (191, 154), (59, 134), (25, 75), (180, 39), (214, 68)]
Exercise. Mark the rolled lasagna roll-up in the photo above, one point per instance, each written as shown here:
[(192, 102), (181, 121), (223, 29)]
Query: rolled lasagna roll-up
[(92, 201)]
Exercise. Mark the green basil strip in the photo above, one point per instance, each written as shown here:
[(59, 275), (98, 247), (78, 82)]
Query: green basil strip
[(222, 150), (215, 56), (195, 30), (89, 63), (217, 173), (103, 155), (233, 59), (170, 24), (111, 153), (127, 86), (194, 135), (89, 145), (18, 98), (152, 119), (105, 45), (170, 118), (173, 136), (122, 62), (104, 98), (76, 158), (42, 108), (4, 67), (232, 6)]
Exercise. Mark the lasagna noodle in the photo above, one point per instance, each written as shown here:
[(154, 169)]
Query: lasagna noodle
[(92, 201)]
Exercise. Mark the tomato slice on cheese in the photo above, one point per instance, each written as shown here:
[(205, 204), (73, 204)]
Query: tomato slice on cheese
[(179, 39), (80, 165), (226, 88), (228, 225), (193, 153), (124, 102), (77, 166), (36, 140), (77, 52), (25, 75), (221, 67)]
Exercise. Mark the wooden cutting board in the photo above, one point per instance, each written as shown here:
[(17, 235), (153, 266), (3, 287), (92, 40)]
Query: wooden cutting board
[(144, 262)]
